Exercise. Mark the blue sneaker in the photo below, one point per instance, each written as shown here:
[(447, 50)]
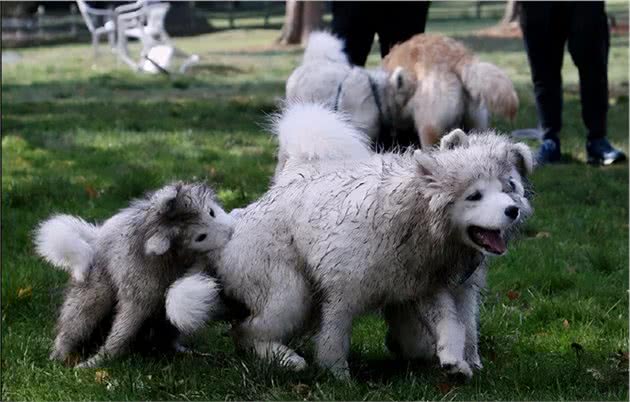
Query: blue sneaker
[(600, 152), (549, 152)]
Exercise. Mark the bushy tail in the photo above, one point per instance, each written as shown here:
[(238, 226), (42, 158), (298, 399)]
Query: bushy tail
[(322, 46), (488, 82), (311, 131), (67, 242), (192, 301)]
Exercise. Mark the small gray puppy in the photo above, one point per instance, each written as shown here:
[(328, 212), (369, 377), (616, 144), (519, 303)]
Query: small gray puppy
[(126, 265)]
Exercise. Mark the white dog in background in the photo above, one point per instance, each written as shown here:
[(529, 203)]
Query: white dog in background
[(374, 100), (399, 232)]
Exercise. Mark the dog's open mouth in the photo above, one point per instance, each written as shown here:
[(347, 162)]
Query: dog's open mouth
[(488, 239)]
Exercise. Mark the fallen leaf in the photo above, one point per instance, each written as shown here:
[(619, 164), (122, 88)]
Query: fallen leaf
[(444, 387), (513, 295), (301, 389), (73, 359), (543, 235), (101, 376), (565, 324), (24, 293), (91, 192)]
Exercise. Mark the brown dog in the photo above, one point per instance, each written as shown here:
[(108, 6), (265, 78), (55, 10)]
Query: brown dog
[(455, 89)]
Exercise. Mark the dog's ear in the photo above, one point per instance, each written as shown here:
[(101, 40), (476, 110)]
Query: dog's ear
[(521, 156), (164, 201), (454, 139), (425, 164), (158, 244), (403, 82)]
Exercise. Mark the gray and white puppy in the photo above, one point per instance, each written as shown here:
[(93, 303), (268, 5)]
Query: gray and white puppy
[(409, 336), (372, 99), (125, 265), (349, 236)]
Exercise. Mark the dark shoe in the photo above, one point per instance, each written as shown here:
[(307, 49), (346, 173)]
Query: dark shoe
[(600, 152), (549, 152)]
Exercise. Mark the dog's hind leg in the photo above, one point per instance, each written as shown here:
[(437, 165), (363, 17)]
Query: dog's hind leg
[(284, 312), (85, 306), (128, 320), (407, 336), (441, 315), (333, 340)]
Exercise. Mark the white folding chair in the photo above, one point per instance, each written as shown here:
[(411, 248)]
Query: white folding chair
[(144, 21), (99, 22)]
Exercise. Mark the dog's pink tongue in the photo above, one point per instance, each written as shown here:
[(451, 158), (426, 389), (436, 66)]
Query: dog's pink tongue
[(492, 240)]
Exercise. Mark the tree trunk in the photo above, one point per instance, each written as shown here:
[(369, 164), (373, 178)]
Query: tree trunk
[(312, 18), (511, 13), (300, 19)]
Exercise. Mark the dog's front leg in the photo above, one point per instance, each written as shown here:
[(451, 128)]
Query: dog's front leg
[(440, 314), (127, 322), (333, 340), (467, 299)]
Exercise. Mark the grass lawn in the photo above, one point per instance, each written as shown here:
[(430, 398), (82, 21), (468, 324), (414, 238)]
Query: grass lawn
[(85, 139)]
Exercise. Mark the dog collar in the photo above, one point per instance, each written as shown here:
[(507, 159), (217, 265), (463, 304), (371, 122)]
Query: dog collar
[(339, 88)]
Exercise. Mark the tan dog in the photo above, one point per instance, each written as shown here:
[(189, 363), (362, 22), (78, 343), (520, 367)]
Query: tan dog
[(454, 90)]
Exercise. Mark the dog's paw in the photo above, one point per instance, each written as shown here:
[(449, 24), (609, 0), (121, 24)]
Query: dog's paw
[(89, 363), (341, 371), (293, 361), (458, 369), (179, 348), (57, 355), (475, 362)]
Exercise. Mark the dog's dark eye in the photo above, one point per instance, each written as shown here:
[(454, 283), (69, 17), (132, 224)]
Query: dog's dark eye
[(212, 212), (201, 237), (476, 196), (512, 185)]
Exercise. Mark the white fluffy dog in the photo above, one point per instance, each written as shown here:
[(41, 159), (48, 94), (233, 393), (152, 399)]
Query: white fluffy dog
[(338, 238), (374, 100)]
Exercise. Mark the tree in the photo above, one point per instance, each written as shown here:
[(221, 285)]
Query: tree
[(511, 13), (300, 19)]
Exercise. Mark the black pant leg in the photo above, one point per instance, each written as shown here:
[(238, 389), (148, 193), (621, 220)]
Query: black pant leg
[(398, 21), (544, 26), (353, 22), (589, 41)]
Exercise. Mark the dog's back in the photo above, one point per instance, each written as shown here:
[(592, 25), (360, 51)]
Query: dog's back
[(455, 89)]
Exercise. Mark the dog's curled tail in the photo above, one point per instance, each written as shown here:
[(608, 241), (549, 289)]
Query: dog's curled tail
[(489, 83), (310, 131), (192, 301), (323, 46), (66, 242)]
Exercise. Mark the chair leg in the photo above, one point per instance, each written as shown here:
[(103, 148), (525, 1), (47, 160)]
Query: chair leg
[(111, 39), (95, 45)]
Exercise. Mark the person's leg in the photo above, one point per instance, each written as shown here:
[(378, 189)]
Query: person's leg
[(399, 21), (544, 33), (353, 23), (588, 45), (589, 41)]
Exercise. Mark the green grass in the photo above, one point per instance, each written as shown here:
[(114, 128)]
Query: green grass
[(84, 140)]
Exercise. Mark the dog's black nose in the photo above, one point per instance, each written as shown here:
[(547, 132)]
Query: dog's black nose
[(511, 212)]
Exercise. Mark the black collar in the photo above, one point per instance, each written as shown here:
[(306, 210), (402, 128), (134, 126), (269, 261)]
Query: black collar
[(374, 89)]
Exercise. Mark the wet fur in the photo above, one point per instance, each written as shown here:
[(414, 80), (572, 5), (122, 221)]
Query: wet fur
[(353, 236), (136, 255)]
